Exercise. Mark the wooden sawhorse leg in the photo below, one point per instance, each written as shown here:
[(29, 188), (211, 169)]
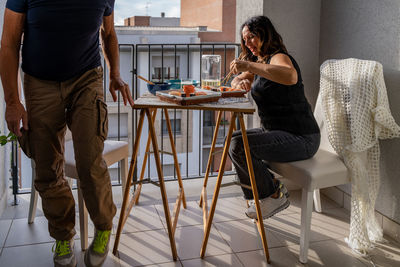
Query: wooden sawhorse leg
[(208, 219), (125, 210), (214, 141)]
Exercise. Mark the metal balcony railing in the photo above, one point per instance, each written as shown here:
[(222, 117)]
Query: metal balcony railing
[(192, 129)]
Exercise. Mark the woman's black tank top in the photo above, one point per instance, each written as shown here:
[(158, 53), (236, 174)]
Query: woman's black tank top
[(284, 107)]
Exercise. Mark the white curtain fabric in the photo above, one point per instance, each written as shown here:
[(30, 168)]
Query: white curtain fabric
[(356, 110)]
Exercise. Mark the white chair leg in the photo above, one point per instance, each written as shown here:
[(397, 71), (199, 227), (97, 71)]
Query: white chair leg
[(306, 212), (83, 218), (317, 201), (34, 196), (124, 173)]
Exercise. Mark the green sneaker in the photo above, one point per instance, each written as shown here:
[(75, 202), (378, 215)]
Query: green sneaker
[(64, 255), (98, 250)]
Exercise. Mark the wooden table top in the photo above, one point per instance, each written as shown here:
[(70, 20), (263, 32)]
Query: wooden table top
[(150, 101)]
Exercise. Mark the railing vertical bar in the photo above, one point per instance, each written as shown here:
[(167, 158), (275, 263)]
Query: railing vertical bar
[(162, 111), (225, 60), (135, 96), (149, 78), (119, 126), (201, 113), (187, 117), (175, 73), (105, 80)]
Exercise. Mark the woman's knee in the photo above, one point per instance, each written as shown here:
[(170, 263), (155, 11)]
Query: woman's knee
[(236, 146)]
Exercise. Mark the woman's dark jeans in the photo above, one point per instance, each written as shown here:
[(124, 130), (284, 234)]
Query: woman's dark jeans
[(265, 146)]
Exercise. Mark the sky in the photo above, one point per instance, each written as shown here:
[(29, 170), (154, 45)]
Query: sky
[(129, 8)]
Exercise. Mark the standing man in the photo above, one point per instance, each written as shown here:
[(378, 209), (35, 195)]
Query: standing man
[(63, 81)]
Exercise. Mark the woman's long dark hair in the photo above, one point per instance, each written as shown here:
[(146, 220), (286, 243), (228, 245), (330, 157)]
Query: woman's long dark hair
[(270, 40)]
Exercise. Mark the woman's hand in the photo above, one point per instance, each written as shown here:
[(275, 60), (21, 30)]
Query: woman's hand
[(244, 84), (237, 66)]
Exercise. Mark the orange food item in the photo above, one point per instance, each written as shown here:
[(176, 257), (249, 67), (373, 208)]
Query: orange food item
[(235, 90), (224, 88), (175, 93), (201, 93), (207, 87), (188, 89)]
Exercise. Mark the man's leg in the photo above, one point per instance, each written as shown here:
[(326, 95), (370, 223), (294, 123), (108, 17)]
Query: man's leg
[(87, 119), (46, 116)]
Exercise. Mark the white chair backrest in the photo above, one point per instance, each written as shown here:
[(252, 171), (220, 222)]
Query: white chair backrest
[(68, 135), (319, 116)]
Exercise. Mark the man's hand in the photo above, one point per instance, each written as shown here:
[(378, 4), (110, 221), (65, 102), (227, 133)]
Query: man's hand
[(117, 84), (14, 114), (238, 66)]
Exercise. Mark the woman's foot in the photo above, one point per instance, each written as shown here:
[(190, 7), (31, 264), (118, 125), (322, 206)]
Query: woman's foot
[(269, 206)]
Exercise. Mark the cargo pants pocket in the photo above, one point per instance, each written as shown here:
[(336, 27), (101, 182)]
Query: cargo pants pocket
[(102, 127), (24, 143)]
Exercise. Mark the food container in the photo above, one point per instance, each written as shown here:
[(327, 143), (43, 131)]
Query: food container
[(210, 70), (153, 88), (178, 83)]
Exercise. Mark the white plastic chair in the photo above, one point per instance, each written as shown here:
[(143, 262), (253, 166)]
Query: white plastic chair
[(113, 152), (325, 169)]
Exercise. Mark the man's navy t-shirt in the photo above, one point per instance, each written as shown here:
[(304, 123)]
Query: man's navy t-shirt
[(61, 37)]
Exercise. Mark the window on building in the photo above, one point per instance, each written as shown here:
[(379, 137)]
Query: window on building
[(168, 71), (208, 119), (176, 123), (169, 169)]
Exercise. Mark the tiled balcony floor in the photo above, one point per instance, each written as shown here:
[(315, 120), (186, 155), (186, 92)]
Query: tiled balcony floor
[(234, 239)]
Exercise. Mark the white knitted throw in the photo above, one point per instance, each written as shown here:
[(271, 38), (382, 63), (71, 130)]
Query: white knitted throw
[(357, 114)]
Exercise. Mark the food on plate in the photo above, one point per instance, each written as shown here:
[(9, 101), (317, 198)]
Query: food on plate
[(183, 94), (189, 89), (235, 90), (224, 88), (175, 93), (201, 93), (206, 87)]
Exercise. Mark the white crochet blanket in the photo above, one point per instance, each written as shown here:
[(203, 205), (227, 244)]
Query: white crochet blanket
[(356, 110)]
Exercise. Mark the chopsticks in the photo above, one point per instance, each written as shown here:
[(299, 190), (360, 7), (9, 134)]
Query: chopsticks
[(227, 77), (144, 79)]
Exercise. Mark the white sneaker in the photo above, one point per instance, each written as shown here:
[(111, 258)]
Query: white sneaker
[(269, 206), (97, 252)]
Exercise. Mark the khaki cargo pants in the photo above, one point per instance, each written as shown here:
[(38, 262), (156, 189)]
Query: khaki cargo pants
[(51, 106)]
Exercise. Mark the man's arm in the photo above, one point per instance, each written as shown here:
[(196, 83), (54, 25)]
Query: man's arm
[(111, 54), (9, 60)]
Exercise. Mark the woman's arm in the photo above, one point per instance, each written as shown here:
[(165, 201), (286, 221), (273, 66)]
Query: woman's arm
[(280, 69)]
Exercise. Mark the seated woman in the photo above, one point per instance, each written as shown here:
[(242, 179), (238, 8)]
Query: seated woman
[(289, 131)]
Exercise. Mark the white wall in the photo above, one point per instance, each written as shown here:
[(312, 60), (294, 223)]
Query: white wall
[(298, 23), (3, 151), (244, 10)]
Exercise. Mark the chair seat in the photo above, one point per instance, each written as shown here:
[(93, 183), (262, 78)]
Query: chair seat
[(325, 169), (113, 152)]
